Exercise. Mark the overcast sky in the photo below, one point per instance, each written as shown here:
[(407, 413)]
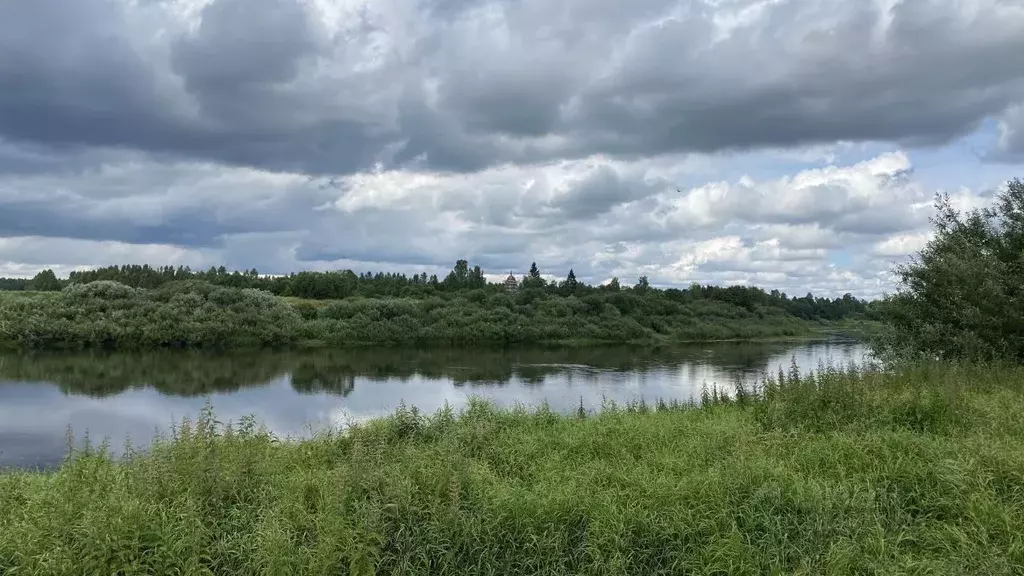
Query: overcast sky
[(791, 144)]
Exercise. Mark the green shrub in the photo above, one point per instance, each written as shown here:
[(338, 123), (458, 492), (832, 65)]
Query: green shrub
[(197, 314)]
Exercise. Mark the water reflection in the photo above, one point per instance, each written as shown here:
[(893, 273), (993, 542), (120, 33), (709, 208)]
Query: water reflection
[(132, 395)]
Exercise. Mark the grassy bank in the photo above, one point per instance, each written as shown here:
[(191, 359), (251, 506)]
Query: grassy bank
[(915, 471), (198, 314)]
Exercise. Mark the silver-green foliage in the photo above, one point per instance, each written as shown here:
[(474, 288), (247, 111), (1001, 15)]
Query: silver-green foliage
[(196, 314), (109, 314)]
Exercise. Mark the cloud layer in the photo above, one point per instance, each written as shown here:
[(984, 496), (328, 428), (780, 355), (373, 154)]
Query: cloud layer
[(784, 143)]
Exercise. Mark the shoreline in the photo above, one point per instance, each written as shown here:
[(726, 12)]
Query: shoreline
[(915, 467), (108, 315)]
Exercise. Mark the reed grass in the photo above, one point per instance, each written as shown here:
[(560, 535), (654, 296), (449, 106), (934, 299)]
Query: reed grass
[(918, 470)]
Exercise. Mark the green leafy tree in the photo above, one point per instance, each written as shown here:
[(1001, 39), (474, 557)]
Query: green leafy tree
[(962, 296), (642, 285), (459, 277), (477, 279), (45, 281)]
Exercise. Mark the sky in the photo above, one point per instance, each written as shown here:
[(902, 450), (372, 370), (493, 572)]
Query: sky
[(789, 144)]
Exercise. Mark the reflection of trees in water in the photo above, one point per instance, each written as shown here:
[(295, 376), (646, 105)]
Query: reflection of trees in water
[(173, 373), (336, 371), (312, 377)]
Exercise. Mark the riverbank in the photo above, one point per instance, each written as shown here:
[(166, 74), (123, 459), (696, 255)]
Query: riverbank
[(917, 470), (201, 315)]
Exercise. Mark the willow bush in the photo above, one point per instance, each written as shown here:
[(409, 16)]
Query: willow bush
[(197, 314)]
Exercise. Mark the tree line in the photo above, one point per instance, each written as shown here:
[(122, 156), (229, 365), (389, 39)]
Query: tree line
[(339, 285), (14, 284)]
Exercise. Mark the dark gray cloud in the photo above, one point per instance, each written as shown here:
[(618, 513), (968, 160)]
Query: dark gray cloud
[(31, 217), (599, 192), (71, 76), (241, 44), (88, 74), (809, 72), (240, 67), (145, 202), (462, 85)]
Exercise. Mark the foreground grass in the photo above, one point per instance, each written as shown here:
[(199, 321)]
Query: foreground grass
[(919, 471)]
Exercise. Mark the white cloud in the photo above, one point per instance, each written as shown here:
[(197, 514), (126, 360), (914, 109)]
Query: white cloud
[(832, 195), (600, 216), (902, 244), (23, 257)]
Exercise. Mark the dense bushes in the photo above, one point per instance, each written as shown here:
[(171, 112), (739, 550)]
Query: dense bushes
[(111, 315), (195, 314)]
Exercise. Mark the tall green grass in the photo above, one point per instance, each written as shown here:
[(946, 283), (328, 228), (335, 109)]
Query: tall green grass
[(915, 471)]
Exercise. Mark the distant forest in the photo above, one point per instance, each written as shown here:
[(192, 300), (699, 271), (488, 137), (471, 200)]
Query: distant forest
[(9, 284), (337, 285)]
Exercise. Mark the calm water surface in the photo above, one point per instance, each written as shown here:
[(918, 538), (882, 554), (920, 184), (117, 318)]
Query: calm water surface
[(132, 395)]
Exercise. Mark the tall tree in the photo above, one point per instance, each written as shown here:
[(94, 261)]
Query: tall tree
[(477, 278), (642, 285), (961, 296), (533, 279), (571, 284), (45, 281), (462, 277)]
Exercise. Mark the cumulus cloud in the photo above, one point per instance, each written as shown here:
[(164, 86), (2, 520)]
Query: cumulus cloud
[(871, 197), (741, 141), (600, 216), (333, 87), (902, 244)]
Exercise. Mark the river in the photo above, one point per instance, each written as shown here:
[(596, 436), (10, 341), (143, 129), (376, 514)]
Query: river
[(121, 396)]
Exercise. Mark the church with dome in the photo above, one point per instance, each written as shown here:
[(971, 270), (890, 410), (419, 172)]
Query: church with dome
[(511, 284)]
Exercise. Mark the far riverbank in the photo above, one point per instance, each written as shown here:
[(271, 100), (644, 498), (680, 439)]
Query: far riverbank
[(200, 315)]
